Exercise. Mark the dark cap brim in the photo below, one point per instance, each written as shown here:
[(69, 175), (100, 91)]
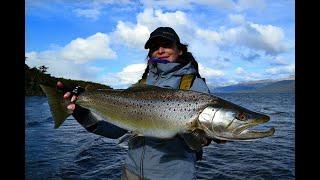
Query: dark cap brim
[(148, 43)]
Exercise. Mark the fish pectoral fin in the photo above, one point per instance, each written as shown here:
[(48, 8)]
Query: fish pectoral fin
[(128, 137), (124, 138), (194, 139)]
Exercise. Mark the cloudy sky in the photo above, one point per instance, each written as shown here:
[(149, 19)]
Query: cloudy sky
[(103, 40)]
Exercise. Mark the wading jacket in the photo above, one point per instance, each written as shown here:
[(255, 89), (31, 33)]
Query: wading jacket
[(152, 158)]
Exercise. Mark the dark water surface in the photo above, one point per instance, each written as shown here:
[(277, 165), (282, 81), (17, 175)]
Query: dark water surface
[(70, 152)]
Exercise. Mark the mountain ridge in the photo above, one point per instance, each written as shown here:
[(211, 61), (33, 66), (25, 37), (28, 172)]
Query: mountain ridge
[(285, 85)]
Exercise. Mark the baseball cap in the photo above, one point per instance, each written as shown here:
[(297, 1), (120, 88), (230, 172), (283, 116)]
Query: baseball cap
[(165, 32)]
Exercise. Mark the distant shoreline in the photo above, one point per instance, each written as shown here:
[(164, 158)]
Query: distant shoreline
[(280, 86)]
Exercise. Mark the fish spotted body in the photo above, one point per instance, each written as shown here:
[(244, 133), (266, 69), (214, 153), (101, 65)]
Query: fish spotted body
[(164, 113)]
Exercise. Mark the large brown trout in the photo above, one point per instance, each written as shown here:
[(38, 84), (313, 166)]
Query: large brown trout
[(164, 113)]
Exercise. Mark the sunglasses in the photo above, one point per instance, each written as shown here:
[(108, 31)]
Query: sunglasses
[(157, 44)]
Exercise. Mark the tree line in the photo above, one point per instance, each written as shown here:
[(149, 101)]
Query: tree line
[(38, 75)]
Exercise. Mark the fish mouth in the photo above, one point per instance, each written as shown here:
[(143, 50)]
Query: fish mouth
[(250, 134), (243, 132)]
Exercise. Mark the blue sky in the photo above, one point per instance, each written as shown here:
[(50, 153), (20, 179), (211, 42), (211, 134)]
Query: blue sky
[(102, 40)]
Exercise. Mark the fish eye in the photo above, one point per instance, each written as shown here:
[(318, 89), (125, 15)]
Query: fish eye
[(241, 116)]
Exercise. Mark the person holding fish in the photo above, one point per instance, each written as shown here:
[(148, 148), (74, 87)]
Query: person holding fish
[(167, 117), (170, 65)]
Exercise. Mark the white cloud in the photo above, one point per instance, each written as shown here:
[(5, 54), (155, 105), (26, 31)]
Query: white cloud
[(271, 36), (254, 76), (128, 76), (289, 69), (206, 43), (155, 18), (132, 73), (79, 50), (229, 82), (250, 4), (209, 35), (68, 61), (93, 9), (274, 70), (240, 71), (280, 60), (237, 18), (226, 81), (203, 51), (203, 42), (243, 75), (62, 68), (209, 72), (83, 50), (31, 55), (133, 36), (259, 37)]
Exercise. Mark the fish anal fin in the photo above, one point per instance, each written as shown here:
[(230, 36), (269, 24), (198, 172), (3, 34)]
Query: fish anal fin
[(194, 139), (129, 136)]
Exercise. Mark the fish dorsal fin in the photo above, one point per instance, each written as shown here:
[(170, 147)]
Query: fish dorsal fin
[(194, 139), (142, 87)]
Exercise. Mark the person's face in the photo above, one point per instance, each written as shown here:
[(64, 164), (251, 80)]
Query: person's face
[(164, 49)]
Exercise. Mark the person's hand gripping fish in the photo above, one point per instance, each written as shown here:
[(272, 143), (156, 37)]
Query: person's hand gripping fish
[(72, 95)]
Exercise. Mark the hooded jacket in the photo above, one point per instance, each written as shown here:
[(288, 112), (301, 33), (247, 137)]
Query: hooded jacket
[(152, 158)]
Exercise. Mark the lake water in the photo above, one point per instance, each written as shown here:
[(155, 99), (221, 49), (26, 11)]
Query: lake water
[(70, 152)]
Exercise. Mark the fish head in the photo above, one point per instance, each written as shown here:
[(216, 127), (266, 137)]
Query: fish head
[(228, 121)]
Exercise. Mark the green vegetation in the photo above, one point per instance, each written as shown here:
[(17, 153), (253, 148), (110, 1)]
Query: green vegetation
[(35, 76)]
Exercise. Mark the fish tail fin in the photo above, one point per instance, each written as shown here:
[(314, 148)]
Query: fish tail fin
[(57, 104)]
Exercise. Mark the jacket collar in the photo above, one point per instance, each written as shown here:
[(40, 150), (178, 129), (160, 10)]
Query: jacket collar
[(165, 68)]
